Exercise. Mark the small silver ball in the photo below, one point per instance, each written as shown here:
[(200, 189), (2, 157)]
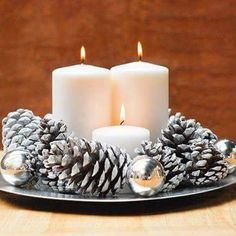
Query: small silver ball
[(228, 149), (146, 176), (14, 168)]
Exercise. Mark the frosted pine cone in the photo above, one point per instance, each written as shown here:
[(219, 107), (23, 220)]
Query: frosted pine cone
[(206, 135), (205, 164), (174, 169), (181, 133), (19, 130), (57, 159), (84, 167), (150, 149), (184, 137), (49, 131)]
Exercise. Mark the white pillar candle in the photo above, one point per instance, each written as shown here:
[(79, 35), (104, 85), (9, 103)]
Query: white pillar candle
[(143, 88), (82, 97), (126, 137)]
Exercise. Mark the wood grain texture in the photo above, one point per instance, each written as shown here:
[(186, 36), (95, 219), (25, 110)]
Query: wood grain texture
[(208, 214), (195, 39)]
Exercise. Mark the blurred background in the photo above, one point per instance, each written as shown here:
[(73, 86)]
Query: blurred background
[(196, 40)]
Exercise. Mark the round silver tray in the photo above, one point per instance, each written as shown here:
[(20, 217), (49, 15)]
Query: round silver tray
[(124, 196)]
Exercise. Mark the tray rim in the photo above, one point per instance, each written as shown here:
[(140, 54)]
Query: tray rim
[(185, 192)]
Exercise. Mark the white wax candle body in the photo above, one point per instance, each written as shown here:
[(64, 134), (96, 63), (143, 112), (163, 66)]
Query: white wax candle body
[(82, 98), (143, 89), (126, 137)]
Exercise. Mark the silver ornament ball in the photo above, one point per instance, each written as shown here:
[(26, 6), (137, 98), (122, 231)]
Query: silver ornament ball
[(14, 168), (146, 176), (228, 149)]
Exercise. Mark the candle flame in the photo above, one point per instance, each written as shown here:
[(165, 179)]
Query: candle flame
[(140, 50), (82, 54), (122, 114)]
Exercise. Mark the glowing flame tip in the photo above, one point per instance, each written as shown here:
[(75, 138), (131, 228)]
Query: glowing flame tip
[(140, 50), (82, 54)]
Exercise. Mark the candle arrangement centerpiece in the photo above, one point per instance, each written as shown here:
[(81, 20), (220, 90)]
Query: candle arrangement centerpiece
[(109, 128)]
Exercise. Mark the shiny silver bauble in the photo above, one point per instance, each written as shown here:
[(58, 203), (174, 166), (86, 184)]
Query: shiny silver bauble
[(228, 149), (146, 176), (14, 168)]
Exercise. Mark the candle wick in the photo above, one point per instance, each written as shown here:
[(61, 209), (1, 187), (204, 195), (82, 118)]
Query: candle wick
[(82, 61), (139, 57), (122, 122)]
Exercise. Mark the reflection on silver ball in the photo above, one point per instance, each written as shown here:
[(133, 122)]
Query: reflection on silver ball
[(146, 176), (228, 149), (14, 168)]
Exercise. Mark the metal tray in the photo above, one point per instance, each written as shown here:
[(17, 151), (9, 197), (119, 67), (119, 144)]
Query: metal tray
[(124, 196)]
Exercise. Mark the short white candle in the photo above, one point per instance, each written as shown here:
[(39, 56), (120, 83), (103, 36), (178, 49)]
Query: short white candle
[(126, 137), (143, 88), (82, 97)]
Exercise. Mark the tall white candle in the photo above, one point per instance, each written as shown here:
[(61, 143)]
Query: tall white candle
[(82, 97), (143, 88)]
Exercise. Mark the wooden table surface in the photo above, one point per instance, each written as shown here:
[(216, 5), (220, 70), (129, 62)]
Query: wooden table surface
[(207, 214)]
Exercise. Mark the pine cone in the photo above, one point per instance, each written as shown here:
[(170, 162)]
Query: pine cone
[(183, 136), (49, 131), (181, 133), (205, 164), (19, 131), (174, 169), (206, 134), (150, 149), (84, 167)]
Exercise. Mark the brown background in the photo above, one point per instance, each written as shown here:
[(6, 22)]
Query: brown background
[(195, 39)]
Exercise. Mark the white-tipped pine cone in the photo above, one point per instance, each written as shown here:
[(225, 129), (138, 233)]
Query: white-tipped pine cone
[(84, 167), (181, 133), (67, 164), (174, 169), (19, 130), (205, 164), (49, 130)]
